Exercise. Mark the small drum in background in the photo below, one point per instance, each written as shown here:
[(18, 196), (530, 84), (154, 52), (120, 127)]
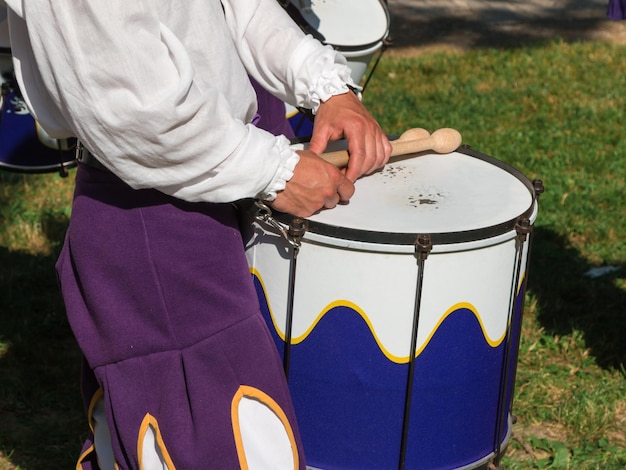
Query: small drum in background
[(24, 146), (356, 28), (398, 315)]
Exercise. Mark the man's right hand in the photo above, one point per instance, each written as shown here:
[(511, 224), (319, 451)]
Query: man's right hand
[(315, 185)]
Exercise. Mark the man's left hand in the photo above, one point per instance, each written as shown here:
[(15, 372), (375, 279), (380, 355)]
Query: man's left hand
[(344, 116)]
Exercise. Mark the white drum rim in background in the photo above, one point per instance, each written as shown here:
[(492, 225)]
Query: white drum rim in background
[(394, 224), (330, 19)]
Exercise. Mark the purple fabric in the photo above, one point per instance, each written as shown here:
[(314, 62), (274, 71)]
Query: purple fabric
[(89, 386), (272, 115), (617, 9), (160, 298)]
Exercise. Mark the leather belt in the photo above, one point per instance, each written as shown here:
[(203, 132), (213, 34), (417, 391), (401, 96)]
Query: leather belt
[(85, 157)]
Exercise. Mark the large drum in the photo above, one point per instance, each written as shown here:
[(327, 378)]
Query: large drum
[(356, 28), (24, 146), (398, 315)]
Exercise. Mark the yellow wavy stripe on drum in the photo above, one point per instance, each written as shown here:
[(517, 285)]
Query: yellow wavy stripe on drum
[(494, 343), (345, 303), (357, 309), (400, 359), (521, 283), (256, 274), (302, 337)]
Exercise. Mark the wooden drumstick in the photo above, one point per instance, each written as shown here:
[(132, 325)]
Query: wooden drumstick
[(417, 140)]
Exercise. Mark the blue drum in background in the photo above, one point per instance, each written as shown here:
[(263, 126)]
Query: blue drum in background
[(24, 146), (398, 316)]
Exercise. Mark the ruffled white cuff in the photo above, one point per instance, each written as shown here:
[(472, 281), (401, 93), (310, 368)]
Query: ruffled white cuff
[(324, 73), (333, 81), (289, 159)]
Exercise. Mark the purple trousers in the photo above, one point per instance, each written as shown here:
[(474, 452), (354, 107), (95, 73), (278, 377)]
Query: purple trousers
[(159, 296), (617, 9)]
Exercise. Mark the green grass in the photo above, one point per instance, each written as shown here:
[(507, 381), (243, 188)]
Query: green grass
[(556, 112), (41, 422)]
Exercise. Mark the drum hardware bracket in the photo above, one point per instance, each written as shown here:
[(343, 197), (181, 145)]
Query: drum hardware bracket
[(297, 229), (293, 235), (523, 227), (423, 246), (538, 187)]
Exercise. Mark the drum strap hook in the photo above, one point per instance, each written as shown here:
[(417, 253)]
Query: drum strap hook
[(295, 232), (293, 235)]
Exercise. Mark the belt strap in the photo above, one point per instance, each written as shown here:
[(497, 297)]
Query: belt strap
[(297, 17), (85, 157)]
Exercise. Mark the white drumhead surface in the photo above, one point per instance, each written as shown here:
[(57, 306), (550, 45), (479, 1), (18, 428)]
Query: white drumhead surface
[(348, 23), (430, 193)]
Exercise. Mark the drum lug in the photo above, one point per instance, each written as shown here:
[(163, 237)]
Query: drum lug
[(523, 227), (423, 246), (297, 227), (538, 187)]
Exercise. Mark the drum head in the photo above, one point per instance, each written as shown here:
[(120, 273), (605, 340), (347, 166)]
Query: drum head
[(346, 24), (459, 197)]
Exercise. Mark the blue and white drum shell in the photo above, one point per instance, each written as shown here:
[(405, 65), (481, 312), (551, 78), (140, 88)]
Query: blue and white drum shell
[(355, 299)]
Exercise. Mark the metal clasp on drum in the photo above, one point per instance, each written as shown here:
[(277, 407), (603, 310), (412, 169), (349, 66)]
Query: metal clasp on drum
[(297, 226)]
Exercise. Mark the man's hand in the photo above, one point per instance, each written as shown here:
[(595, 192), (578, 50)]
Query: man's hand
[(344, 116), (315, 185)]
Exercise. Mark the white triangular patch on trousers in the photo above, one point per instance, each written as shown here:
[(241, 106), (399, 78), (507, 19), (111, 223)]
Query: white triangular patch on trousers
[(151, 451), (262, 432)]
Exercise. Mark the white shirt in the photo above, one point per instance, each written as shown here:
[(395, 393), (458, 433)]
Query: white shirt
[(158, 90)]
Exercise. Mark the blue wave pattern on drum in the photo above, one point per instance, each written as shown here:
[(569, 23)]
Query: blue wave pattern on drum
[(349, 397)]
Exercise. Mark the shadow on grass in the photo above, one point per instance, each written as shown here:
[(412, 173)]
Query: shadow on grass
[(569, 300), (41, 416), (499, 26)]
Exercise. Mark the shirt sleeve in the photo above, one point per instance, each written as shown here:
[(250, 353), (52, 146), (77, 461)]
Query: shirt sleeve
[(114, 75), (264, 34)]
